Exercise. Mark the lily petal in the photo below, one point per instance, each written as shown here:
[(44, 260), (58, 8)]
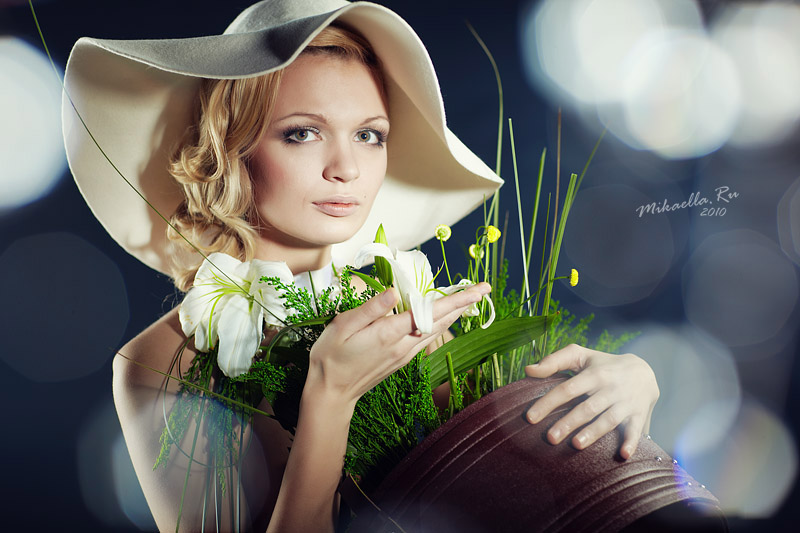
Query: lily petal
[(239, 335), (416, 266), (412, 278), (422, 310), (269, 298), (216, 266), (370, 250)]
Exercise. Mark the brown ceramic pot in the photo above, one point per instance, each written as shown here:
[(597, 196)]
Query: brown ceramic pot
[(489, 470)]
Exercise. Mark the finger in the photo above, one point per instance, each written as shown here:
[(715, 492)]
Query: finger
[(364, 315), (582, 414), (559, 395), (606, 422), (633, 432), (447, 309), (439, 329), (460, 299), (572, 357), (452, 309)]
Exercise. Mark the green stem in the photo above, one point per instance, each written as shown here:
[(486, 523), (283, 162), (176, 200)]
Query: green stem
[(496, 372), (499, 150), (526, 288), (189, 467), (446, 269), (534, 218), (452, 376)]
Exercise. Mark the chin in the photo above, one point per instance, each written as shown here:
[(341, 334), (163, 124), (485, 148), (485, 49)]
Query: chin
[(338, 230)]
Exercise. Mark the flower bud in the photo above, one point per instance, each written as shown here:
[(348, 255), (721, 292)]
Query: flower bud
[(492, 233), (443, 232), (475, 251), (573, 277), (382, 267)]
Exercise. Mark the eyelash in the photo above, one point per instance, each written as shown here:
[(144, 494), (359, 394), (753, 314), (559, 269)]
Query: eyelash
[(289, 133)]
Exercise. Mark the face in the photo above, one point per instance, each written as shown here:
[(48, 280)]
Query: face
[(322, 159)]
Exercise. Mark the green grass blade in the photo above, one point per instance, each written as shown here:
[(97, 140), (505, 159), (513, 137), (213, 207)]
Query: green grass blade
[(474, 347), (534, 218), (369, 280), (526, 292)]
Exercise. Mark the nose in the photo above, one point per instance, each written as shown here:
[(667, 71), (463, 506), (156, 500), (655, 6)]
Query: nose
[(342, 164)]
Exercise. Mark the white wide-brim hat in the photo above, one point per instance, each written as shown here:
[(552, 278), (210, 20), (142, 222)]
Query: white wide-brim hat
[(136, 98)]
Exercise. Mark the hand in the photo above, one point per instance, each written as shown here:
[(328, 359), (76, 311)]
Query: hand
[(361, 347), (622, 391)]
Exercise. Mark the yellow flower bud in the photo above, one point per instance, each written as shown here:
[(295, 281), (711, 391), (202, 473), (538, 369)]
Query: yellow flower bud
[(443, 232), (475, 251), (492, 233), (573, 277)]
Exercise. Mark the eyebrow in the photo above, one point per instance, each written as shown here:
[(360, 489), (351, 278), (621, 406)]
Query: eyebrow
[(322, 118)]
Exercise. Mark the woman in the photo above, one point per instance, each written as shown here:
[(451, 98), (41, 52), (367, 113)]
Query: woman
[(305, 135)]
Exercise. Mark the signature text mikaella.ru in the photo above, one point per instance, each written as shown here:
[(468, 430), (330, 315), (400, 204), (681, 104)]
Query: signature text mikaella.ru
[(711, 206)]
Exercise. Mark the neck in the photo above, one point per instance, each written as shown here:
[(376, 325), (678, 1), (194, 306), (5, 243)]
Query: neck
[(298, 259)]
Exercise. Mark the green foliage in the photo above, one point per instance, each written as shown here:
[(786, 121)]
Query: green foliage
[(389, 421), (392, 418), (224, 421), (564, 332)]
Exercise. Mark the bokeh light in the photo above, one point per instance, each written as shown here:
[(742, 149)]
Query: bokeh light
[(672, 101), (739, 287), (764, 42), (699, 384), (66, 307), (789, 222), (106, 477), (660, 80), (129, 495), (752, 469), (580, 48), (31, 147), (625, 264)]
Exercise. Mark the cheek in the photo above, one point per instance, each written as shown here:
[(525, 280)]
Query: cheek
[(275, 184), (376, 174)]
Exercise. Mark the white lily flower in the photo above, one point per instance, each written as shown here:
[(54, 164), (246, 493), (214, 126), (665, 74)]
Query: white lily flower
[(229, 303), (413, 279)]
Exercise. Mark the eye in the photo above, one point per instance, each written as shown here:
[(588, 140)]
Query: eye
[(371, 137), (301, 135)]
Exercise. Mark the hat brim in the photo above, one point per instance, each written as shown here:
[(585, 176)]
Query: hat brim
[(136, 98)]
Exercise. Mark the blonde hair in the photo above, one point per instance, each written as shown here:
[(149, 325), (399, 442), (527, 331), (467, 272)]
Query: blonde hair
[(212, 160)]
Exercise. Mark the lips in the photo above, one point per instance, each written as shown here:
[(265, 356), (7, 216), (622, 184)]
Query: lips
[(338, 206)]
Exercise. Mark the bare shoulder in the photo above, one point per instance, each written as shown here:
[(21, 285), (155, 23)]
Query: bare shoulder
[(144, 396)]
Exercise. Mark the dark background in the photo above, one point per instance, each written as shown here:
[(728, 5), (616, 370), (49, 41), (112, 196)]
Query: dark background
[(72, 296)]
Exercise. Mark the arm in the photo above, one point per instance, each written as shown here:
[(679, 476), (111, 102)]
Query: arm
[(622, 391), (354, 353), (140, 403), (289, 491)]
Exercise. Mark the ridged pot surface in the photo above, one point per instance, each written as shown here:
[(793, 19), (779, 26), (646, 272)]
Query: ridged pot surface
[(489, 470)]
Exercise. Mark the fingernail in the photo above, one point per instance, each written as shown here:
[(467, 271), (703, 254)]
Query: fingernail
[(533, 417), (555, 434), (387, 297), (627, 451), (582, 440)]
